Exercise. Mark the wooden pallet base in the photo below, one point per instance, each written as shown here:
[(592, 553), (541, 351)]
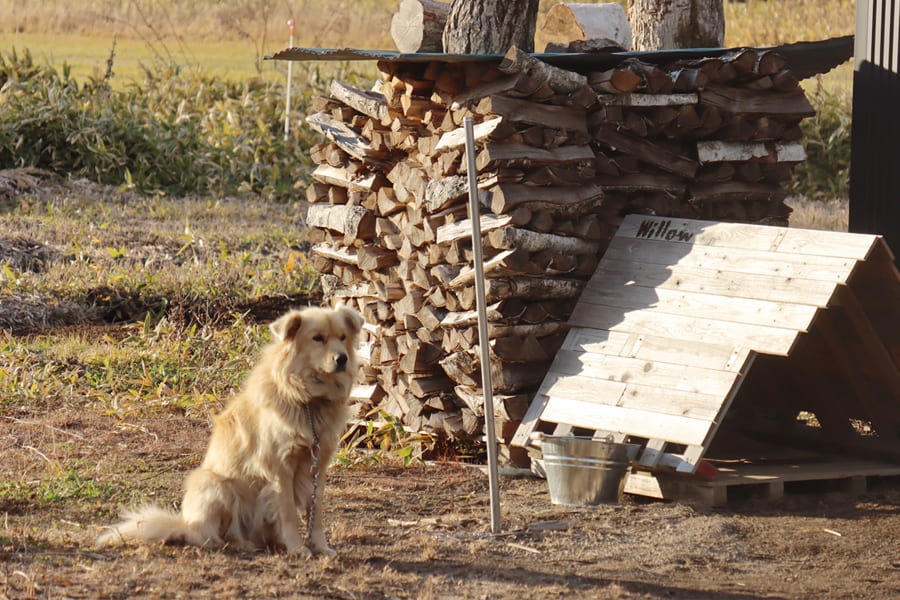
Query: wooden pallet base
[(766, 480)]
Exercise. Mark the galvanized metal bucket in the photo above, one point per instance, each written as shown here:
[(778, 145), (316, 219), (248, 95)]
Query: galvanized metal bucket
[(583, 471)]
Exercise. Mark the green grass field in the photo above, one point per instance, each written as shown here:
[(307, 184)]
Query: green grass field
[(88, 55)]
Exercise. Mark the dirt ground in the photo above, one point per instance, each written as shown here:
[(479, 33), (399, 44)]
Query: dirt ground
[(423, 532)]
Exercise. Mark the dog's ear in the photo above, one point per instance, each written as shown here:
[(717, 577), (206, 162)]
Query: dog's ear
[(286, 326), (353, 319)]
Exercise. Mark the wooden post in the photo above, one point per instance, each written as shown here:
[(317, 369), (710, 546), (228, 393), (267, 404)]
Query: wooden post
[(483, 337)]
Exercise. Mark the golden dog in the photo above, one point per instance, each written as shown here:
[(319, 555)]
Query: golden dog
[(268, 446)]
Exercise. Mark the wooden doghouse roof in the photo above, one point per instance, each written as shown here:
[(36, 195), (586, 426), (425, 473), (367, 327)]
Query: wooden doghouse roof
[(678, 312)]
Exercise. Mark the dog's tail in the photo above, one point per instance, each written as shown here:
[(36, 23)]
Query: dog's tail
[(151, 524)]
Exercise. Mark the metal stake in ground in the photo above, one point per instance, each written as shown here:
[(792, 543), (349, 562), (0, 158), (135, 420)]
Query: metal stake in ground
[(290, 77), (487, 384)]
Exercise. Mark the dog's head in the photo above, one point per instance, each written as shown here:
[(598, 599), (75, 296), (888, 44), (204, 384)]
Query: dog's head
[(319, 350)]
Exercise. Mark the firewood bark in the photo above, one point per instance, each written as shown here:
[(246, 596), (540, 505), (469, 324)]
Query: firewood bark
[(559, 80), (372, 104), (668, 24), (490, 26), (354, 222)]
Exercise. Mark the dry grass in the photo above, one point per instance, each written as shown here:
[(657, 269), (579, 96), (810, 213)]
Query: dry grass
[(830, 215), (157, 304)]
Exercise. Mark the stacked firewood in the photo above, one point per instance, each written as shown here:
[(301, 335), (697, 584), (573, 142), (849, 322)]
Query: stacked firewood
[(561, 157)]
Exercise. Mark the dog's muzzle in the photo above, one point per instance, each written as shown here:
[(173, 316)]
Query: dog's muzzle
[(340, 362)]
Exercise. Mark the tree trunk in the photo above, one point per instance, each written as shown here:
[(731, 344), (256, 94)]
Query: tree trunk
[(667, 24), (490, 26)]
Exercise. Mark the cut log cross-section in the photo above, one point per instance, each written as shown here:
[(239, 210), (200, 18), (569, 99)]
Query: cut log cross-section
[(418, 25)]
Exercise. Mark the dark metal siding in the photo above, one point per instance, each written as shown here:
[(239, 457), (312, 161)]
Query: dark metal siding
[(875, 160)]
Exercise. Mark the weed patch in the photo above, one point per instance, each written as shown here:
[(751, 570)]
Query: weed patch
[(68, 486), (172, 131)]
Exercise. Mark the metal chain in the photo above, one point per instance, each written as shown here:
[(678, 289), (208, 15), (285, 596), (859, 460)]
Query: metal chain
[(314, 469)]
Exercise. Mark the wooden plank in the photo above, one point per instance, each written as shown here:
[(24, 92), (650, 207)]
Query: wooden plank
[(662, 400), (783, 240), (739, 310), (530, 421), (720, 356), (678, 430), (768, 340), (700, 233), (712, 259), (878, 355), (652, 453), (748, 474), (774, 288), (633, 371), (827, 243)]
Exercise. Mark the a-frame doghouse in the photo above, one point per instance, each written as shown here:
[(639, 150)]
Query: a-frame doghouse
[(735, 354)]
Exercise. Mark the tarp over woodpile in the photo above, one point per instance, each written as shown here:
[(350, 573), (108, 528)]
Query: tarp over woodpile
[(805, 58)]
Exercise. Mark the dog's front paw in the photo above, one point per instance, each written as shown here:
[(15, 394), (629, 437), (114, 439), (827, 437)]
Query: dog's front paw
[(322, 549), (300, 550)]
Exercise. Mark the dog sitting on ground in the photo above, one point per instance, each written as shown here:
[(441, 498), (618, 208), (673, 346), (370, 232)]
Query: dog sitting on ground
[(269, 447)]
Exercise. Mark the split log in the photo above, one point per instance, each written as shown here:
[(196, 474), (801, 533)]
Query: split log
[(565, 201), (559, 80), (347, 178), (340, 254), (516, 110), (418, 25), (443, 192), (522, 155), (532, 241), (735, 190), (348, 140), (604, 24), (463, 229), (372, 258), (647, 151), (457, 138), (333, 288), (372, 104), (355, 222), (647, 100), (506, 407), (519, 349), (737, 100), (615, 81), (532, 288), (507, 378)]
